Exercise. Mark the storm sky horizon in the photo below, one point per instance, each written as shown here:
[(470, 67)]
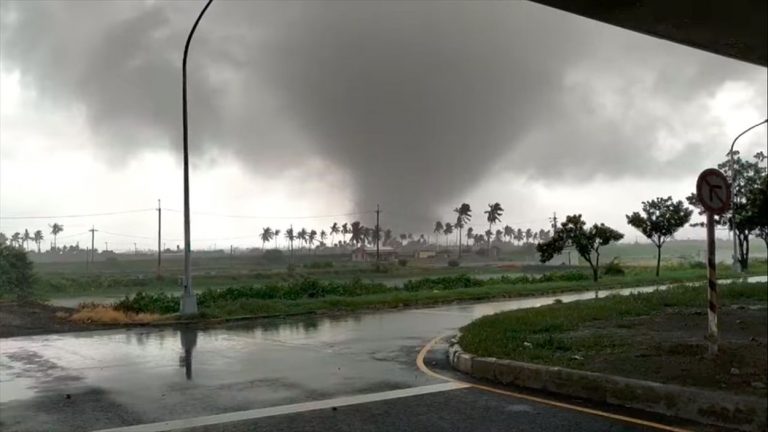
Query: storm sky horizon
[(307, 113)]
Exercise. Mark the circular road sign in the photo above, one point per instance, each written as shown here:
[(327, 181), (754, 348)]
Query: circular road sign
[(713, 191)]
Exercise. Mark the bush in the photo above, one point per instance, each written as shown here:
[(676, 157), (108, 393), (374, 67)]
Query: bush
[(318, 265), (698, 265), (273, 256), (15, 273), (453, 263), (402, 262), (613, 268)]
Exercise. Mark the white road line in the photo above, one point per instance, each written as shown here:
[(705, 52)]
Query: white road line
[(286, 409)]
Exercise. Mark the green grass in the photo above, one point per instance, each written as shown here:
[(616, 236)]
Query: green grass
[(549, 329)]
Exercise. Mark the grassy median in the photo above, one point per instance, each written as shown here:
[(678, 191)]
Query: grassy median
[(657, 336)]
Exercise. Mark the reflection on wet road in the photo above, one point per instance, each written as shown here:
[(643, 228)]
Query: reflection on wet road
[(145, 375)]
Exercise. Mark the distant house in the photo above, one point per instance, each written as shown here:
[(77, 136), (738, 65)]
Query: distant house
[(425, 254), (363, 254)]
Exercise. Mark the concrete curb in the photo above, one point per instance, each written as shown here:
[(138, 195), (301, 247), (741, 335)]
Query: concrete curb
[(703, 406)]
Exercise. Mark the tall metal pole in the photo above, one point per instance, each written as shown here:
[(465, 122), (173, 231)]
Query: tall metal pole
[(93, 232), (159, 235), (188, 299), (736, 263), (378, 232)]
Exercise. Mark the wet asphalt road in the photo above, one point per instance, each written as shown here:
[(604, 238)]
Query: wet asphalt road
[(108, 379)]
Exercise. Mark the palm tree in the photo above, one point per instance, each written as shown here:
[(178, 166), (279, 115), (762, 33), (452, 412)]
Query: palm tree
[(499, 235), (447, 230), (37, 237), (387, 236), (438, 230), (26, 238), (535, 237), (266, 236), (357, 231), (403, 238), (16, 239), (302, 235), (528, 235), (323, 236), (509, 233), (311, 238), (334, 231), (478, 239), (56, 229), (470, 234), (291, 237), (488, 237), (463, 216), (277, 239), (344, 231), (493, 213), (519, 235)]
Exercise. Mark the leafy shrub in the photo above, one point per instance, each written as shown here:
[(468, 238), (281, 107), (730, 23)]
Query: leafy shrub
[(402, 262), (144, 302), (453, 263), (15, 273), (613, 268), (698, 265)]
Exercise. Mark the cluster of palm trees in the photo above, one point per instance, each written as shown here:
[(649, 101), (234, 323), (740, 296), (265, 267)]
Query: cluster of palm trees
[(22, 240), (493, 217), (356, 234)]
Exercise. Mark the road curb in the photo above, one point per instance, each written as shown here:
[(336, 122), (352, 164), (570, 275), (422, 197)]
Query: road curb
[(703, 406)]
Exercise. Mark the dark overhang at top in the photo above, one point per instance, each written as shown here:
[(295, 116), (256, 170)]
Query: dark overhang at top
[(731, 28)]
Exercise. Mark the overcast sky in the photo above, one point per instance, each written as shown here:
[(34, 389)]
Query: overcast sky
[(310, 113)]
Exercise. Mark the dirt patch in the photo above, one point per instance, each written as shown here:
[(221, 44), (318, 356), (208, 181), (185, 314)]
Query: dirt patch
[(670, 347), (27, 319)]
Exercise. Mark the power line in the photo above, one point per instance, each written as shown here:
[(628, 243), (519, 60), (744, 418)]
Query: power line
[(270, 217), (77, 215)]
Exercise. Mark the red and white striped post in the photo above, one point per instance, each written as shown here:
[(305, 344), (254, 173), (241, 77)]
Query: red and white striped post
[(714, 194), (712, 335)]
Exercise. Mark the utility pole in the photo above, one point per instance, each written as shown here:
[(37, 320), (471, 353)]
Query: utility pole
[(93, 232), (378, 232), (135, 249), (188, 299), (159, 234)]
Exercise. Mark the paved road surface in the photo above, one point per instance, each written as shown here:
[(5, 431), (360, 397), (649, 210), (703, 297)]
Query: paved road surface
[(109, 379)]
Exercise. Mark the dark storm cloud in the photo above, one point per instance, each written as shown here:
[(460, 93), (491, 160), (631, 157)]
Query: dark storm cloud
[(417, 102)]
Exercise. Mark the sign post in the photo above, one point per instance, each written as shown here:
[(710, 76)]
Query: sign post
[(714, 194)]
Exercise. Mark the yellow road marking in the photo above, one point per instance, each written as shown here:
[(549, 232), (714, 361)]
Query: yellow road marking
[(426, 370)]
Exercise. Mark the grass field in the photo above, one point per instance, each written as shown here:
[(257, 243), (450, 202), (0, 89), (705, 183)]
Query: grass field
[(657, 335)]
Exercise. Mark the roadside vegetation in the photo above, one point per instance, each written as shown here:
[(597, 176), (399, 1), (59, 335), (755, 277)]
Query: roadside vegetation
[(311, 295), (657, 335)]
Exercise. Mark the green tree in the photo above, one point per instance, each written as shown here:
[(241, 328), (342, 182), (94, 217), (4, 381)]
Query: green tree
[(311, 237), (493, 215), (757, 211), (16, 239), (661, 218), (463, 216), (438, 230), (266, 236), (344, 231), (334, 230), (470, 234), (587, 241), (56, 229), (291, 236), (16, 274), (38, 238), (447, 230), (509, 233), (528, 235), (3, 239), (26, 237), (499, 236), (387, 236), (277, 238), (357, 231), (749, 175), (519, 235), (302, 236), (323, 236)]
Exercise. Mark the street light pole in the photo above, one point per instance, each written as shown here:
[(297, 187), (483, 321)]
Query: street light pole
[(736, 264), (188, 299)]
